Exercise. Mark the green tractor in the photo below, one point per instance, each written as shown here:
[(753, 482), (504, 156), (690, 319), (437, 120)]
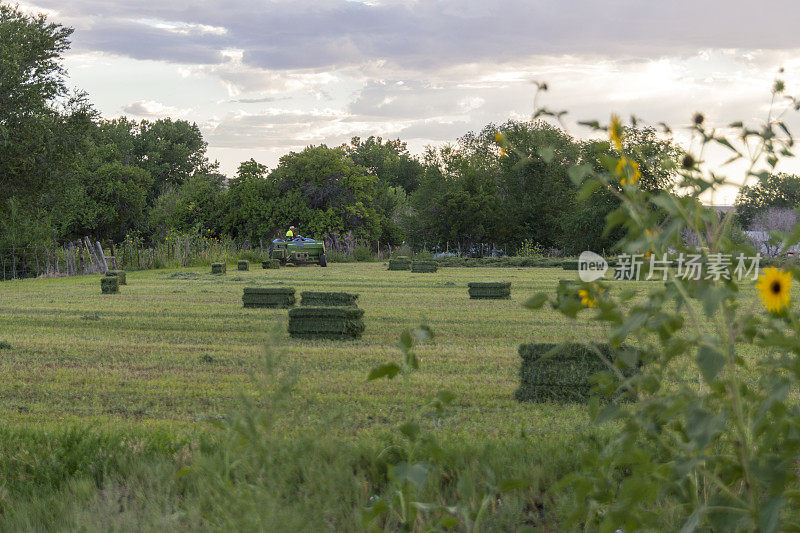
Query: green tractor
[(299, 251)]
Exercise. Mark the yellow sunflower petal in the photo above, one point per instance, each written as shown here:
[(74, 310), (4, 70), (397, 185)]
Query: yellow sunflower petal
[(773, 288)]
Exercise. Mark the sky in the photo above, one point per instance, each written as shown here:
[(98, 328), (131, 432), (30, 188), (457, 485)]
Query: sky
[(262, 78)]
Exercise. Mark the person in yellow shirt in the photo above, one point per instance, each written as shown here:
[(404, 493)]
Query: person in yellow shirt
[(290, 233)]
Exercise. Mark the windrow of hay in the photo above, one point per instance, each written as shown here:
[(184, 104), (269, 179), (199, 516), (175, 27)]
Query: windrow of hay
[(423, 266), (328, 299), (565, 375), (338, 323), (401, 262), (119, 274), (243, 265), (268, 297), (489, 290), (218, 268), (109, 284)]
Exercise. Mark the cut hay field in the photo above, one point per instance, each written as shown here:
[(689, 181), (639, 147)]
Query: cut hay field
[(111, 404), (175, 348)]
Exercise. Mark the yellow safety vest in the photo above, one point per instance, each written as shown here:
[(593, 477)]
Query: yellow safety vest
[(289, 234)]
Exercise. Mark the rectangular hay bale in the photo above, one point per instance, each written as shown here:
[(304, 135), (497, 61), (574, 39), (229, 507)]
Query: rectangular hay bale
[(337, 323), (119, 274), (566, 376), (400, 263), (489, 290), (424, 267), (109, 284), (328, 299), (243, 265), (218, 268), (268, 297), (270, 264)]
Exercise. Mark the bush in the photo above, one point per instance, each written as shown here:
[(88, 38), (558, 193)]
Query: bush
[(364, 253), (564, 373), (250, 256)]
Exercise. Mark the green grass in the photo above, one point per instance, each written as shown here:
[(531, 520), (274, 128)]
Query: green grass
[(175, 350)]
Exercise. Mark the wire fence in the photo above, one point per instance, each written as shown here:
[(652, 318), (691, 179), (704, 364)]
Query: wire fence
[(85, 256)]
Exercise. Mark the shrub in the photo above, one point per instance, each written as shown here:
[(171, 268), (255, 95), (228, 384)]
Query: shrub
[(109, 284), (564, 373), (489, 290), (328, 299), (268, 297), (336, 323), (250, 256), (364, 253)]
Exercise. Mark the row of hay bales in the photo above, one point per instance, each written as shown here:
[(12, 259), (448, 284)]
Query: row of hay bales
[(402, 262), (321, 315), (222, 268)]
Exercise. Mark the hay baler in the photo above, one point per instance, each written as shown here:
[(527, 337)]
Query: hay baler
[(299, 251)]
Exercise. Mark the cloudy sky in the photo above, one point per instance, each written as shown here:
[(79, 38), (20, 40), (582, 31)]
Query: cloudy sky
[(262, 78)]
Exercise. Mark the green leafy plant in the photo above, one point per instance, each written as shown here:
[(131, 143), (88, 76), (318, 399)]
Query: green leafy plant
[(719, 452)]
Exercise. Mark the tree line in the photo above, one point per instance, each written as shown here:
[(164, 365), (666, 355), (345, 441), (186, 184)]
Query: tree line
[(68, 173)]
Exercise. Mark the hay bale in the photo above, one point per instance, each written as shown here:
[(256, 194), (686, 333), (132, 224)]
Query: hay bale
[(270, 263), (401, 262), (119, 274), (243, 265), (569, 265), (423, 266), (566, 376), (328, 299), (218, 268), (109, 284), (339, 323), (268, 297), (489, 290)]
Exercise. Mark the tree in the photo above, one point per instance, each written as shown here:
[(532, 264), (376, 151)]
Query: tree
[(251, 204), (337, 195), (42, 126), (773, 190)]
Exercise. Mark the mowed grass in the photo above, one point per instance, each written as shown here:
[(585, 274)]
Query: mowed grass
[(176, 348)]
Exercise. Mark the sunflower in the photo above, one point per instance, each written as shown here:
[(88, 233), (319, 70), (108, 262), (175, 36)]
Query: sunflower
[(586, 298), (615, 132), (773, 288), (629, 170)]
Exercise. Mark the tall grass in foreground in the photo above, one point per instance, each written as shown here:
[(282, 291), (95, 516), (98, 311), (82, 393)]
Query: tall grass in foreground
[(243, 475)]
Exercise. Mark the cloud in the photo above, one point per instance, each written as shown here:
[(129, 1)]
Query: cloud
[(151, 109), (326, 34)]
